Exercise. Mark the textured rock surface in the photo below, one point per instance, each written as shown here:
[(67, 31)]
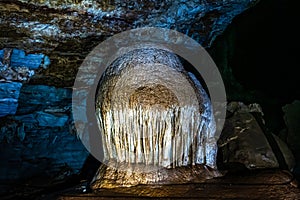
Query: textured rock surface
[(243, 140), (68, 30), (36, 133), (15, 69), (121, 175), (9, 95), (291, 117), (40, 139), (292, 114), (153, 115), (261, 184)]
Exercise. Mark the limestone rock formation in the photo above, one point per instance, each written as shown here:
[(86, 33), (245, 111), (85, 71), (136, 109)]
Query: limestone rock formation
[(63, 33), (9, 95), (291, 117), (243, 140), (16, 68), (154, 117), (40, 138), (67, 30)]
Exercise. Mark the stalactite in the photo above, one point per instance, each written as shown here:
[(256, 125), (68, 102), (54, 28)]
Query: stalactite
[(169, 138), (153, 117)]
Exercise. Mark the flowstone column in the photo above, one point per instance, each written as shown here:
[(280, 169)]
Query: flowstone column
[(156, 122)]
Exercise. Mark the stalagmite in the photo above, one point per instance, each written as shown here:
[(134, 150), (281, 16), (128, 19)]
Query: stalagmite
[(156, 122)]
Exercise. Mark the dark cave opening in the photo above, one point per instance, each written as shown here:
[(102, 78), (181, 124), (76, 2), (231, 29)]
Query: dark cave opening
[(256, 55), (262, 56), (265, 43)]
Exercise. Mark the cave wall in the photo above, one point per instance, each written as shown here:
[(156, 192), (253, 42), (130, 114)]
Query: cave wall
[(258, 59), (40, 139), (68, 30), (37, 135), (48, 40)]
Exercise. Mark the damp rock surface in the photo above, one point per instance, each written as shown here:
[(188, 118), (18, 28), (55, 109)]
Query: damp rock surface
[(291, 117), (49, 41), (16, 68), (172, 127), (40, 140), (67, 31), (243, 140), (9, 95), (36, 132), (116, 175)]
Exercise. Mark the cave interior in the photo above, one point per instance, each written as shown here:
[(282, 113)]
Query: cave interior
[(254, 46)]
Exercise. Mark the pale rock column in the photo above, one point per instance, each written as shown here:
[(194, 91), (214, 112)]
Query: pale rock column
[(156, 122)]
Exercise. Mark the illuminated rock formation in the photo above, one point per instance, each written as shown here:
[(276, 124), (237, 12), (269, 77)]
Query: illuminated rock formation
[(155, 117)]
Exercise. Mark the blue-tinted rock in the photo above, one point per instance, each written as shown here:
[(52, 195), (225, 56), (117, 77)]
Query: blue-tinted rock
[(40, 139), (32, 61), (39, 97), (16, 65), (10, 90), (51, 120), (36, 148), (1, 54), (42, 152), (27, 119), (8, 106), (9, 94)]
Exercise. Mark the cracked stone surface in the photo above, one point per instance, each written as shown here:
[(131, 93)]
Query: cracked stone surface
[(66, 31), (49, 40), (243, 140)]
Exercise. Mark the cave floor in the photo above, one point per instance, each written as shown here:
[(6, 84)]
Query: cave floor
[(260, 184)]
